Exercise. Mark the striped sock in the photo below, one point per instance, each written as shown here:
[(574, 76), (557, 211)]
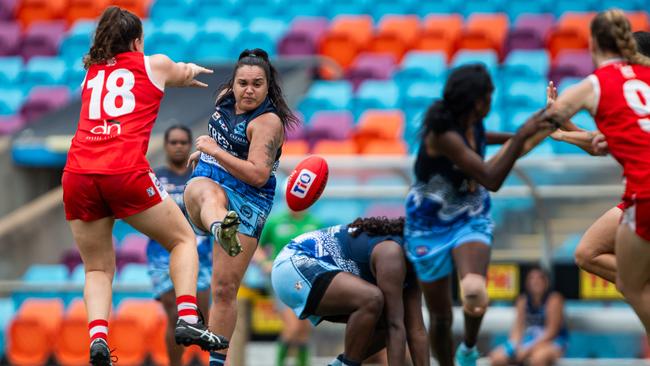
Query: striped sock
[(187, 309), (217, 359), (98, 328)]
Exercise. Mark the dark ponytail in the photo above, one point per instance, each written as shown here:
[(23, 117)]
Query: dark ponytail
[(377, 226), (259, 57), (464, 87), (116, 30)]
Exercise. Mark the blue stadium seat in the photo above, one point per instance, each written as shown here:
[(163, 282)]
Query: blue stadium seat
[(515, 8), (77, 41), (246, 10), (133, 274), (313, 8), (525, 64), (229, 27), (172, 38), (543, 150), (43, 71), (526, 94), (421, 66), (412, 129), (7, 311), (567, 82), (418, 97), (487, 57), (74, 76), (425, 8), (517, 117), (273, 28), (10, 100), (345, 7), (561, 7), (336, 212), (162, 10), (206, 9), (469, 7), (376, 94), (249, 39), (326, 95), (11, 69), (567, 249), (626, 5), (381, 8), (494, 121), (43, 275)]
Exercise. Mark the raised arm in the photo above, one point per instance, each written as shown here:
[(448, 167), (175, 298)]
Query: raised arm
[(266, 135), (575, 98), (175, 74)]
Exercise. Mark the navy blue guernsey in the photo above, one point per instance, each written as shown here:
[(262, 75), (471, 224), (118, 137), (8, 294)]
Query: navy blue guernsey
[(536, 315), (228, 129), (337, 246)]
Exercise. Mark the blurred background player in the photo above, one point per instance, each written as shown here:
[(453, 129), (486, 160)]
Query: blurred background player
[(233, 185), (278, 231), (617, 95), (173, 176), (356, 274), (448, 208), (539, 335), (107, 175)]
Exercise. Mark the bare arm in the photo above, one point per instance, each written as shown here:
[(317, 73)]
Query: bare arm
[(498, 138), (389, 266), (176, 74), (575, 98), (517, 332), (266, 137), (416, 332)]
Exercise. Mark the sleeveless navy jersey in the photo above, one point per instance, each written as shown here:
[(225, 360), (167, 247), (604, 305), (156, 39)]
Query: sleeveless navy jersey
[(536, 315), (336, 246)]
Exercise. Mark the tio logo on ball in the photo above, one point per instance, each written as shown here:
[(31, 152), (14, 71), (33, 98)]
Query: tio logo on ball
[(302, 184)]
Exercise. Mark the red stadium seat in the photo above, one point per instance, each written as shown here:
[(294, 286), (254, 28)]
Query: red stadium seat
[(134, 324), (84, 9), (570, 33), (345, 38), (33, 332), (485, 31), (295, 147), (34, 10), (638, 21), (71, 347), (440, 33), (137, 7), (396, 35), (382, 147), (335, 147), (383, 125)]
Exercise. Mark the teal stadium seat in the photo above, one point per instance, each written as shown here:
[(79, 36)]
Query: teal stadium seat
[(74, 76), (561, 7), (41, 275), (77, 41), (488, 58), (337, 211), (530, 65), (11, 70), (162, 10), (172, 38), (207, 9), (381, 8), (494, 121), (10, 100), (523, 93), (470, 7), (567, 82), (247, 10), (133, 274), (376, 94), (418, 97), (326, 96), (345, 7), (421, 66), (43, 71), (249, 39), (584, 121), (273, 28), (7, 311), (515, 8), (517, 117), (626, 5), (310, 8), (426, 8)]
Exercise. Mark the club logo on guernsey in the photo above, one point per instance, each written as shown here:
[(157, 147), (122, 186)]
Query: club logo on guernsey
[(108, 127), (303, 183)]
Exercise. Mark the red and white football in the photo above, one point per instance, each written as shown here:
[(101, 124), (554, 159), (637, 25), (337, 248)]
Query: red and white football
[(306, 183)]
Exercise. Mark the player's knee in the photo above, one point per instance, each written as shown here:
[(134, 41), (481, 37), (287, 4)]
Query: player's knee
[(225, 291), (475, 298), (372, 301), (584, 256)]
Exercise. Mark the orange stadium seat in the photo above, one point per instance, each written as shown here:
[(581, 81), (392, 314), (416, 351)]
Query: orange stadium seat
[(138, 7), (134, 323), (157, 347), (382, 147), (484, 31), (71, 347), (84, 9), (580, 22), (440, 33), (396, 35), (345, 38), (195, 352), (33, 332), (384, 125), (570, 33), (638, 21), (335, 147), (295, 147), (33, 10)]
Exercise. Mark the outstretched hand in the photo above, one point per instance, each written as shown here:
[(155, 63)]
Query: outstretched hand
[(551, 93), (197, 70)]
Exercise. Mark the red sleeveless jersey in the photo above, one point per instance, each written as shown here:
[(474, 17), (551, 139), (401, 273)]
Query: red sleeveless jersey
[(623, 116), (119, 105)]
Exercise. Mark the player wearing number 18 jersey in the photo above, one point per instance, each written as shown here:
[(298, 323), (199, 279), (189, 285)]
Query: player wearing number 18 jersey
[(617, 94), (107, 175)]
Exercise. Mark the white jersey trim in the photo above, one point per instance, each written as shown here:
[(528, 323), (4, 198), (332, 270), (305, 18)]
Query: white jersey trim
[(147, 67), (596, 85)]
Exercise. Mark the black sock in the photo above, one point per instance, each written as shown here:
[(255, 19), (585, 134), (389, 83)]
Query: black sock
[(347, 362)]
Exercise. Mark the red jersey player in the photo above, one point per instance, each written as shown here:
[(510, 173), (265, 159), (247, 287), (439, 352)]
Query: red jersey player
[(617, 94), (107, 175)]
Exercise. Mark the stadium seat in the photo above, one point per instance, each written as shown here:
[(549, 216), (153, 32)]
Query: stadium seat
[(43, 99), (525, 64), (385, 125), (488, 58), (567, 82), (303, 36), (126, 257), (77, 41), (345, 38), (6, 314), (308, 8), (529, 31), (43, 71), (74, 77), (42, 39), (638, 20), (135, 244), (71, 258), (381, 147), (383, 8), (295, 147), (626, 5), (334, 147), (561, 7), (273, 28), (7, 9), (376, 94), (570, 33), (426, 8), (157, 345), (420, 66), (131, 328), (484, 31), (296, 132), (172, 38), (541, 24), (249, 40), (379, 66), (470, 7), (41, 274), (138, 7), (133, 274), (418, 96), (338, 8), (10, 100), (214, 41), (516, 8), (10, 38), (163, 10), (395, 35), (494, 121), (11, 124), (330, 125), (33, 332), (11, 68), (326, 95), (29, 11), (517, 117), (571, 63), (248, 10), (84, 9), (523, 93), (337, 211), (440, 33), (71, 346)]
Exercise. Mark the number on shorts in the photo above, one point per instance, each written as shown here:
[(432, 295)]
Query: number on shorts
[(637, 96), (113, 92)]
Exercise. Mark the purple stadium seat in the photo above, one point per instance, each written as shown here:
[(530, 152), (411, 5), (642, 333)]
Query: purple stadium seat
[(42, 39), (524, 39), (10, 38), (7, 8), (571, 63), (71, 258), (42, 100), (371, 66), (388, 210), (539, 23), (330, 125), (11, 124), (126, 256), (302, 38)]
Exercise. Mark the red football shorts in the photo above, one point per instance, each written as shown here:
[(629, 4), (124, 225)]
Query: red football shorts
[(636, 216), (90, 197)]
